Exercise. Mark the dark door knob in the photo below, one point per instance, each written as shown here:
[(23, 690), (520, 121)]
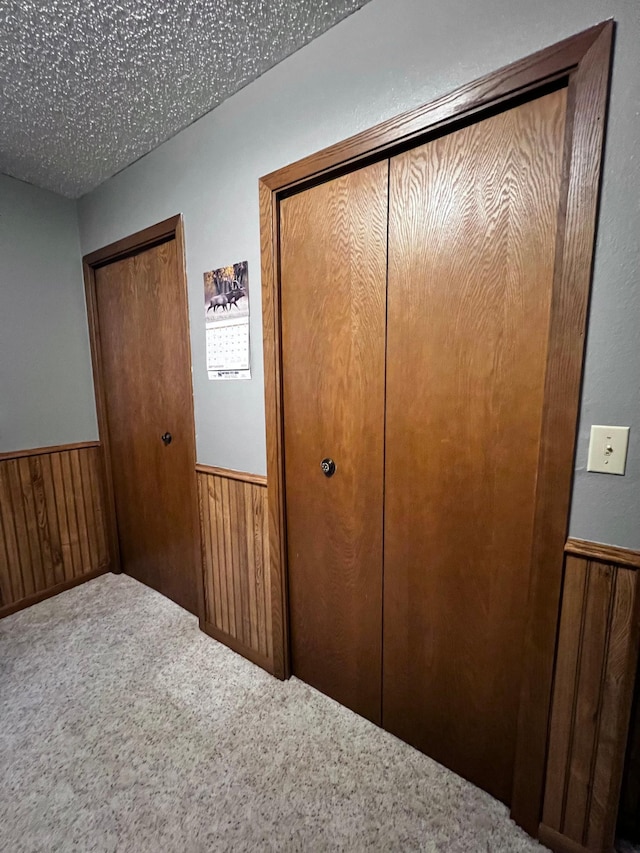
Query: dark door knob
[(328, 467), (166, 437)]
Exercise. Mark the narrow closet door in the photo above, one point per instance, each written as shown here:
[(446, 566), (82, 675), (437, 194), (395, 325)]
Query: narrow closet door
[(472, 228), (333, 304)]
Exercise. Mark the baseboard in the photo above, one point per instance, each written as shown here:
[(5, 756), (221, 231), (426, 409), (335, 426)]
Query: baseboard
[(237, 646), (8, 609), (561, 844)]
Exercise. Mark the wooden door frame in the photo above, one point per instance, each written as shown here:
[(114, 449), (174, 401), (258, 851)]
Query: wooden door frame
[(583, 61), (154, 235)]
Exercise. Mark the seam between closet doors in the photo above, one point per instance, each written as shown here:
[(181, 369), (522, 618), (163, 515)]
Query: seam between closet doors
[(384, 441)]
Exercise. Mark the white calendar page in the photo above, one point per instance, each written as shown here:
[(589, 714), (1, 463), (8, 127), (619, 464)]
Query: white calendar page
[(228, 346)]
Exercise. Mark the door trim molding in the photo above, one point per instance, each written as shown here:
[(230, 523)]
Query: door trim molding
[(161, 232), (145, 239), (583, 61)]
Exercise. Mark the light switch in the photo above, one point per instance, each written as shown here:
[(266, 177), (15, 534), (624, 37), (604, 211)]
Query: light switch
[(608, 449)]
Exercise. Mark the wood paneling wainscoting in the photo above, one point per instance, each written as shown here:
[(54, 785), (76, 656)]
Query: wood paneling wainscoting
[(52, 522), (595, 674), (235, 562)]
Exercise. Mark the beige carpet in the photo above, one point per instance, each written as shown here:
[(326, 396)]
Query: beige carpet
[(123, 728)]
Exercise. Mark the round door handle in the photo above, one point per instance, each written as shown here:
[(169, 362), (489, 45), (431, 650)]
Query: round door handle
[(167, 438), (328, 467)]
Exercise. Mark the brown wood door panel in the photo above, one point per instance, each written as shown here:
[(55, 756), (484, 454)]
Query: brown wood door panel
[(472, 226), (147, 381), (333, 274)]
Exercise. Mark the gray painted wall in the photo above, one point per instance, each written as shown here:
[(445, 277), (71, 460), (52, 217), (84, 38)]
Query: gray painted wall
[(391, 56), (46, 389)]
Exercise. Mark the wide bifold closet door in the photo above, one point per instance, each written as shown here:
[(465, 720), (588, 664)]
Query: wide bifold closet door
[(415, 306), (333, 274)]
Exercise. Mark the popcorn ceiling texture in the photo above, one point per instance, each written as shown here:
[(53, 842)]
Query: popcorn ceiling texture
[(89, 86)]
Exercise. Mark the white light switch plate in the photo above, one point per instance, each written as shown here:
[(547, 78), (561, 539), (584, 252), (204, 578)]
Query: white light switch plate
[(608, 449)]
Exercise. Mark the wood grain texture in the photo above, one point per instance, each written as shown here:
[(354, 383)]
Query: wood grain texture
[(144, 388), (141, 240), (235, 564), (52, 523), (560, 843), (232, 474), (593, 688), (333, 303), (629, 814), (532, 71), (47, 451), (624, 557), (271, 334), (472, 226), (585, 60), (570, 641), (586, 118)]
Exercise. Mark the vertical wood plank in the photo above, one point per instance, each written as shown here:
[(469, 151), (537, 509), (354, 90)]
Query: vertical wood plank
[(6, 590), (40, 509), (63, 521), (600, 588), (98, 500), (6, 585), (237, 579), (267, 568), (31, 520), (592, 699), (72, 519), (241, 560), (617, 696), (22, 532), (12, 571), (257, 504), (215, 610), (42, 524), (234, 531), (217, 543), (89, 509), (567, 667), (251, 565), (204, 552), (52, 520), (222, 487), (83, 533), (212, 593)]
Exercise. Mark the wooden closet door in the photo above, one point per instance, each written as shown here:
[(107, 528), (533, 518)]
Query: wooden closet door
[(472, 231), (333, 298)]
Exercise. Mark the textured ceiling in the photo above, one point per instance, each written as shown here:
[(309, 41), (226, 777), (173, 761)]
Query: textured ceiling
[(89, 86)]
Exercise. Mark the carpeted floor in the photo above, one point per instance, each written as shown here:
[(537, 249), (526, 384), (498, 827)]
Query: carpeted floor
[(123, 728)]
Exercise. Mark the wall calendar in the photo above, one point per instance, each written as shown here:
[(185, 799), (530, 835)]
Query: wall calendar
[(226, 302)]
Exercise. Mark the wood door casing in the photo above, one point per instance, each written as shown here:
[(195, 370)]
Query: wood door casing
[(473, 218), (333, 274), (584, 59), (147, 382)]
